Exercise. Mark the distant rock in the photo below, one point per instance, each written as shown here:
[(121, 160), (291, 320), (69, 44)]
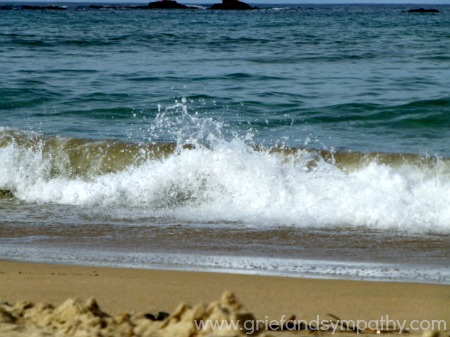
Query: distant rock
[(232, 5), (6, 8), (166, 4), (423, 10), (52, 8)]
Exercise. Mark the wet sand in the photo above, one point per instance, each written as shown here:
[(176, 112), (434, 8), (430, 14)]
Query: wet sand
[(133, 290)]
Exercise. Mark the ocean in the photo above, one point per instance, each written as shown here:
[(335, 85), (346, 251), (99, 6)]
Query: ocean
[(295, 140)]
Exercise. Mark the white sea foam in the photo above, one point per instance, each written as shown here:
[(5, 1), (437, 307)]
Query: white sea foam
[(232, 182), (223, 179)]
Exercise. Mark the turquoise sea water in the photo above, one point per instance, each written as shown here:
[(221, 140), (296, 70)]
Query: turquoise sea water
[(296, 140)]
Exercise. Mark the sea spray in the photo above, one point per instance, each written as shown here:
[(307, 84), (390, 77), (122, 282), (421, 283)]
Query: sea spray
[(219, 180)]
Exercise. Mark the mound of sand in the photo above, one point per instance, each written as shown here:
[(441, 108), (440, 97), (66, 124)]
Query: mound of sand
[(74, 318)]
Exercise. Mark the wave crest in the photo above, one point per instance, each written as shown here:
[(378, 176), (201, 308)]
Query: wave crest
[(230, 181)]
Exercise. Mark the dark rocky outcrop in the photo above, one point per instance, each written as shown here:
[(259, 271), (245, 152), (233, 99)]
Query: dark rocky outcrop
[(232, 5), (6, 8), (166, 4), (423, 10)]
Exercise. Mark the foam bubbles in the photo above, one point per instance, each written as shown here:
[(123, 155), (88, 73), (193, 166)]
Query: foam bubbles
[(233, 182)]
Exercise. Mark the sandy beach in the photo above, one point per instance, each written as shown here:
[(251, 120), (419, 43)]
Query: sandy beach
[(151, 291)]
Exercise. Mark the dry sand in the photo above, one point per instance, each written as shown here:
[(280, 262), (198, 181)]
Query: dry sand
[(134, 292)]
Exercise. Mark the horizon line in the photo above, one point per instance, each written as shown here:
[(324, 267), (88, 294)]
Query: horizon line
[(264, 2)]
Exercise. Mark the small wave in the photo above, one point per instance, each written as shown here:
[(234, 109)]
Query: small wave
[(15, 98), (279, 8), (425, 114), (198, 7)]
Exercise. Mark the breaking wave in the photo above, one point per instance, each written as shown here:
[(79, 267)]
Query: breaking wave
[(203, 177)]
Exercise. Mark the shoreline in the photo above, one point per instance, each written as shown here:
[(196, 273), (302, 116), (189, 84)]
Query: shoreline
[(234, 271), (140, 290), (278, 266)]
